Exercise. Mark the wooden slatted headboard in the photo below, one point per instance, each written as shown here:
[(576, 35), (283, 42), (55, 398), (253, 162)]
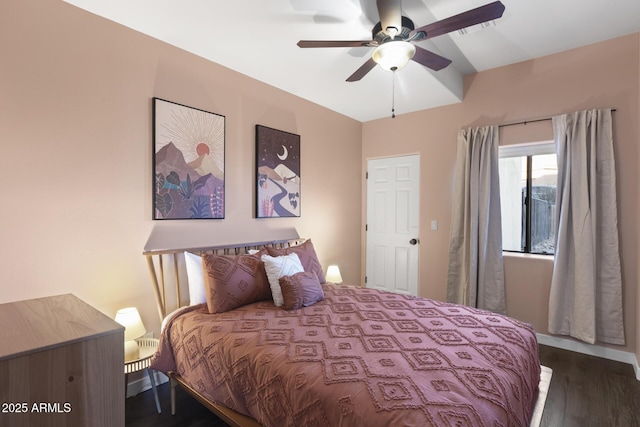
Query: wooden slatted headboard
[(166, 267)]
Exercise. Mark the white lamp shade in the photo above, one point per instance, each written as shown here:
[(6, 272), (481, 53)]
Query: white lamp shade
[(393, 54), (130, 319), (333, 274)]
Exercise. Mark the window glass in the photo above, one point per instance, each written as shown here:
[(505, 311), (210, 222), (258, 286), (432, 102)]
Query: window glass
[(544, 177), (513, 187), (528, 223)]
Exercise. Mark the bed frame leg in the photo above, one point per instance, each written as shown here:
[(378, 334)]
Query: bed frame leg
[(173, 383)]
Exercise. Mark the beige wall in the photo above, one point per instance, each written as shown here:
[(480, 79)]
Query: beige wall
[(598, 76), (428, 133), (637, 123), (75, 141), (75, 144)]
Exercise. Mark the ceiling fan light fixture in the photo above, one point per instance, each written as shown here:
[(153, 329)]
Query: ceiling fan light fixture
[(393, 55)]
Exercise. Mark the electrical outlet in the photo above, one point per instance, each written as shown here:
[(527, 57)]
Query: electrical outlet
[(434, 225)]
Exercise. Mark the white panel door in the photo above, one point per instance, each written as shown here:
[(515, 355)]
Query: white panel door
[(393, 216)]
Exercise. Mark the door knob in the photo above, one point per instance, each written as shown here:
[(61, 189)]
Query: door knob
[(413, 241)]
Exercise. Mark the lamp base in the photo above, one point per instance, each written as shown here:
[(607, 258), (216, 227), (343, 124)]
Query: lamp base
[(131, 350)]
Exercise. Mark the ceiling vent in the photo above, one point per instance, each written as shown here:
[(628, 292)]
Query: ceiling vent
[(478, 27)]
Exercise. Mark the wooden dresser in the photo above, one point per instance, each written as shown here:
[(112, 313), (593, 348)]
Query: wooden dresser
[(61, 364)]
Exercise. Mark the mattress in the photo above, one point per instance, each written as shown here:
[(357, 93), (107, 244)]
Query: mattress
[(360, 357)]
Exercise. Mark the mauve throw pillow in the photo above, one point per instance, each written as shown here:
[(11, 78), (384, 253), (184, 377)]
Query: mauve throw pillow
[(301, 290), (307, 255), (234, 281), (277, 267)]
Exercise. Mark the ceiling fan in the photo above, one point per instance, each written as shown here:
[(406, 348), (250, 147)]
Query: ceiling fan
[(394, 35)]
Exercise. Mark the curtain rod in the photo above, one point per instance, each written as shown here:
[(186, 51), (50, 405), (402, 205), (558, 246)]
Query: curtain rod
[(524, 122)]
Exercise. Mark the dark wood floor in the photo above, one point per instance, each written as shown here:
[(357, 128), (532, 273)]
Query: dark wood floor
[(140, 411), (589, 391), (585, 391)]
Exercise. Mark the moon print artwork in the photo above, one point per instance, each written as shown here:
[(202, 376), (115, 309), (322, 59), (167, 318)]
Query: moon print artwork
[(277, 173), (188, 160)]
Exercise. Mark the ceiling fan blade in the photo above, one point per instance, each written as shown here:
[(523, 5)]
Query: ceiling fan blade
[(463, 20), (362, 71), (430, 59), (390, 12), (335, 43)]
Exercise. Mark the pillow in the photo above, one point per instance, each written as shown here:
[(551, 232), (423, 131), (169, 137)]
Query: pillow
[(232, 281), (307, 255), (195, 278), (276, 267), (301, 290)]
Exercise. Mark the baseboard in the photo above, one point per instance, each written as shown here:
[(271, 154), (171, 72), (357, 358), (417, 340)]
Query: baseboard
[(591, 350), (144, 384)]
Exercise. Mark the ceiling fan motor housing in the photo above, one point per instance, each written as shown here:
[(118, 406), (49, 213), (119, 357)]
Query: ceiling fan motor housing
[(381, 37)]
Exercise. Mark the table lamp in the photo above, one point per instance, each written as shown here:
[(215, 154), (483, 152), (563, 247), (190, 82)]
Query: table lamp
[(133, 328), (333, 274)]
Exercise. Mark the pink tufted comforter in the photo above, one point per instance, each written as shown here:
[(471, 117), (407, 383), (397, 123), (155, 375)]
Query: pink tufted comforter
[(361, 357)]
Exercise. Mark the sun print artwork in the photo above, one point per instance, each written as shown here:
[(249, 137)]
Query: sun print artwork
[(188, 162), (277, 173)]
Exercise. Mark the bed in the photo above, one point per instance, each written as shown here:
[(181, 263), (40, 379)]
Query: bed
[(354, 357)]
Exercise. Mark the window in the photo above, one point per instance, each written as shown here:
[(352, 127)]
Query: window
[(528, 179)]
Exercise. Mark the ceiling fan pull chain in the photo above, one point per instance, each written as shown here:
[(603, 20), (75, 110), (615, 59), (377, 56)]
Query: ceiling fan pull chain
[(393, 92)]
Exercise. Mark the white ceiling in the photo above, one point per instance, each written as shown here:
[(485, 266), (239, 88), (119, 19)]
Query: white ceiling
[(258, 38)]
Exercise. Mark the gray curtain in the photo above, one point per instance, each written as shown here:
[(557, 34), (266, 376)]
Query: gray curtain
[(476, 270), (586, 288)]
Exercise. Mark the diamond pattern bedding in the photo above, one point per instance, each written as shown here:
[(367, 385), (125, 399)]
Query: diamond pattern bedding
[(360, 357)]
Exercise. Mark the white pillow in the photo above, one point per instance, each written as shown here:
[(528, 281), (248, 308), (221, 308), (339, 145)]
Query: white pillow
[(170, 316), (195, 276), (277, 267)]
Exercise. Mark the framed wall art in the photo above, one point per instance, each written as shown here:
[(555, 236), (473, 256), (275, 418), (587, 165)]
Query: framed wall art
[(188, 162), (277, 173)]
